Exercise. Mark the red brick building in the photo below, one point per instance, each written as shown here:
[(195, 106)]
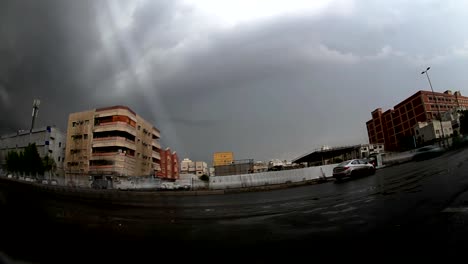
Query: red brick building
[(395, 125), (169, 165)]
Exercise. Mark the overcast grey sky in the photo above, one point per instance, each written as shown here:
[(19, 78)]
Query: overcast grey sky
[(264, 79)]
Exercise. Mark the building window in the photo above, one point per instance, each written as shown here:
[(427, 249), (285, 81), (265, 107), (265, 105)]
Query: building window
[(73, 124), (139, 127), (437, 131), (58, 158), (86, 122), (60, 144), (85, 136)]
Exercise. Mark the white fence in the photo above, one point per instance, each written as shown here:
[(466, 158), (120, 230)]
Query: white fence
[(271, 177), (192, 180)]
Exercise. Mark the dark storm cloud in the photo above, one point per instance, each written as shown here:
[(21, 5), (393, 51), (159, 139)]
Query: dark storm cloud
[(275, 87), (43, 48)]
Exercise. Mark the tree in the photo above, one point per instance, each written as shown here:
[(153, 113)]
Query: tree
[(13, 162), (204, 178), (31, 161), (49, 164), (464, 122), (27, 161)]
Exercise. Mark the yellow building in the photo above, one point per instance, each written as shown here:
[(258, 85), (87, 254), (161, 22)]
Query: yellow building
[(112, 140), (223, 158)]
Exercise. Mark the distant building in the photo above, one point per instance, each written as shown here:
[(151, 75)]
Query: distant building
[(169, 165), (427, 132), (111, 141), (222, 158), (395, 127), (369, 149), (198, 168), (454, 117), (236, 167), (260, 166), (275, 164), (331, 155), (49, 140)]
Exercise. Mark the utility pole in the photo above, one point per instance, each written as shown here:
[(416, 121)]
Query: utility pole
[(35, 110), (437, 104)]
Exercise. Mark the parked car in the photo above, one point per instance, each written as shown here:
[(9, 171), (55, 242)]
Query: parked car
[(167, 186), (427, 152), (351, 168)]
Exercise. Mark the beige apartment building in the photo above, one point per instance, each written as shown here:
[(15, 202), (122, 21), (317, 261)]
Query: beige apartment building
[(111, 141)]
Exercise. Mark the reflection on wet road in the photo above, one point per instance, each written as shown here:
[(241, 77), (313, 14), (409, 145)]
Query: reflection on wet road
[(400, 203)]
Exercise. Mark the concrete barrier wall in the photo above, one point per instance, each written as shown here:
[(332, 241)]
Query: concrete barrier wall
[(271, 177), (192, 180)]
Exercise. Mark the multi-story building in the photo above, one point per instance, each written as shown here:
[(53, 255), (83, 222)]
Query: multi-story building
[(169, 165), (49, 140), (223, 158), (394, 127), (194, 167), (428, 131), (111, 141)]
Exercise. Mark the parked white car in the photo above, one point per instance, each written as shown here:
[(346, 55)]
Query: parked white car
[(351, 168)]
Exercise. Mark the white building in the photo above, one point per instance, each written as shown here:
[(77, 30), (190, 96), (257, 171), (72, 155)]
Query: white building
[(194, 167), (454, 117), (428, 131), (49, 141), (260, 166), (369, 149)]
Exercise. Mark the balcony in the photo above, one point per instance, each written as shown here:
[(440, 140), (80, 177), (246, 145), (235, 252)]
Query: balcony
[(115, 126), (156, 155), (111, 163), (114, 142), (113, 156), (156, 144)]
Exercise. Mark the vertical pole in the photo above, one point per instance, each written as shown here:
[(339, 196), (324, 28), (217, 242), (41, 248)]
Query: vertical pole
[(438, 108)]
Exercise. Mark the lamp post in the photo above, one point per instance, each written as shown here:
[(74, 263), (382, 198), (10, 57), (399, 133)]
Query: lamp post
[(437, 104)]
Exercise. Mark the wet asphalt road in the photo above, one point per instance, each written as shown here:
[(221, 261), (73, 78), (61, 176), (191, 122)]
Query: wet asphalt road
[(401, 210)]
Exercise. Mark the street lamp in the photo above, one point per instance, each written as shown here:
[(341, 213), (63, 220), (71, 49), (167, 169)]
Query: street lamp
[(437, 104)]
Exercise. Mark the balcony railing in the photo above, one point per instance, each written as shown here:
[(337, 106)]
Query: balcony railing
[(115, 126), (156, 144), (156, 155), (114, 142)]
